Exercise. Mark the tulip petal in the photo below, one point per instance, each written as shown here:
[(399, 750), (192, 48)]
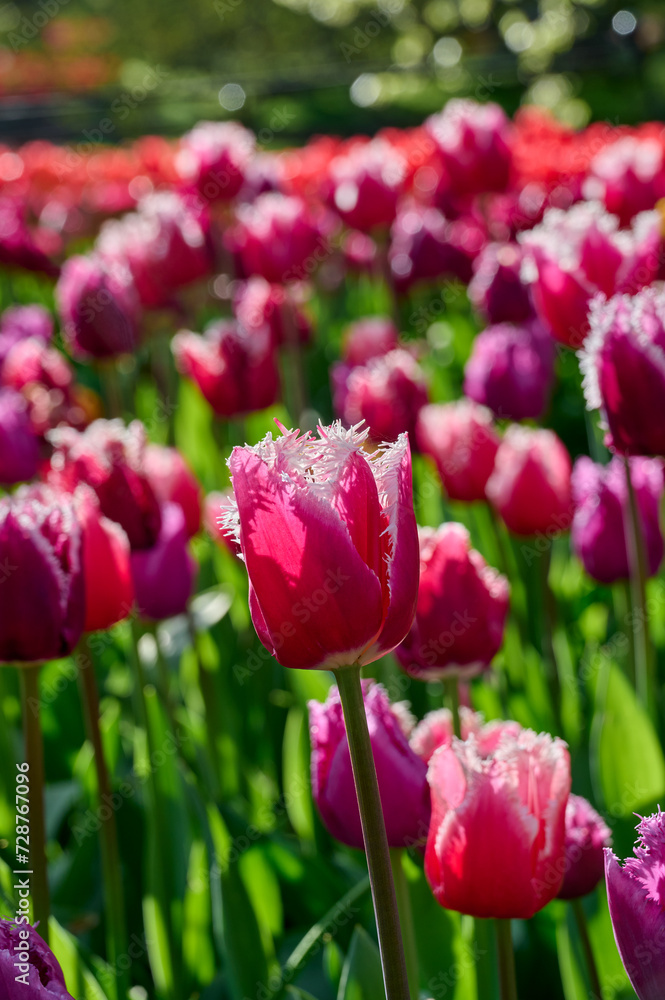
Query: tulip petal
[(639, 930)]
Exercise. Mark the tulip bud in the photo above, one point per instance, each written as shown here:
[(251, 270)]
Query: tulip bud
[(402, 776), (173, 481), (530, 484), (367, 338), (461, 439), (511, 370), (474, 140), (425, 246), (628, 176), (42, 611), (344, 589), (387, 393), (497, 290), (109, 592), (109, 457), (20, 323), (215, 156), (637, 907), (461, 610), (366, 183), (257, 304), (235, 369), (586, 837), (98, 307), (600, 496), (43, 978), (437, 730), (19, 449), (164, 575), (623, 362), (497, 837)]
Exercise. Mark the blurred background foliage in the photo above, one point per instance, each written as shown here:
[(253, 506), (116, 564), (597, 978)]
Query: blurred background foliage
[(296, 67)]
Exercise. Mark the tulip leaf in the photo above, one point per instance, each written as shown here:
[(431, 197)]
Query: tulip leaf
[(79, 979), (197, 946), (570, 961), (625, 750), (295, 758), (362, 978)]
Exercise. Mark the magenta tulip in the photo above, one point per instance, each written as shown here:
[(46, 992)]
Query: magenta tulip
[(474, 140), (437, 730), (214, 157), (23, 322), (367, 338), (426, 246), (587, 835), (628, 176), (257, 304), (387, 393), (164, 575), (366, 183), (28, 968), (461, 439), (98, 307), (173, 481), (19, 445), (497, 289)]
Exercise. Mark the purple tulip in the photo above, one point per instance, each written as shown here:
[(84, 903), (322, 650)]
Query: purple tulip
[(164, 575), (497, 290), (387, 393), (425, 246), (623, 362), (636, 899), (28, 968), (401, 773), (19, 447), (600, 497), (42, 599), (587, 835), (511, 370), (98, 306), (22, 323)]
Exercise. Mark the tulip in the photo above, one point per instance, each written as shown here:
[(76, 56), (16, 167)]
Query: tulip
[(497, 290), (600, 497), (19, 449), (18, 245), (387, 394), (165, 244), (462, 441), (42, 611), (45, 379), (461, 610), (367, 338), (628, 176), (173, 481), (437, 730), (109, 457), (212, 512), (402, 775), (20, 322), (278, 237), (623, 362), (42, 979), (257, 303), (635, 897), (214, 157), (109, 592), (586, 837), (366, 183), (344, 589), (574, 255), (235, 369), (425, 246), (474, 140), (511, 370), (164, 575), (98, 306), (497, 836), (530, 484)]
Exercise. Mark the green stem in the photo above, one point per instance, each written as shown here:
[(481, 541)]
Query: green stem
[(452, 688), (585, 940), (549, 621), (374, 834), (644, 666), (507, 979), (34, 755), (108, 834), (623, 612), (406, 920)]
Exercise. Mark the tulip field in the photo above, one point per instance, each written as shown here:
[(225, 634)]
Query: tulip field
[(332, 609)]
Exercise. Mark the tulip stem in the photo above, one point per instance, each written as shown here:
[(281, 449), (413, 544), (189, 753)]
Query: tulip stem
[(585, 940), (645, 681), (374, 834), (34, 755), (548, 625), (507, 978), (452, 686), (108, 832), (406, 920)]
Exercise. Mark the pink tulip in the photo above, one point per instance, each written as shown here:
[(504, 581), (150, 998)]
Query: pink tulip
[(214, 157), (624, 370), (98, 307), (461, 439), (387, 393), (461, 610), (367, 338), (257, 303), (628, 176), (530, 485), (173, 481), (587, 835), (164, 575), (474, 140), (402, 775), (437, 730), (19, 445), (498, 824), (44, 377), (235, 369), (497, 289), (328, 535), (366, 183), (23, 322)]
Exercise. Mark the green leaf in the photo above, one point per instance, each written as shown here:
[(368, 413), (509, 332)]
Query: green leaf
[(197, 946), (295, 759), (79, 979), (362, 977)]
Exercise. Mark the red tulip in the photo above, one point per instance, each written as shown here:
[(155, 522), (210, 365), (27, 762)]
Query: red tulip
[(474, 140), (214, 157), (461, 439), (497, 836), (173, 481), (366, 183), (530, 485), (328, 535), (109, 592)]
